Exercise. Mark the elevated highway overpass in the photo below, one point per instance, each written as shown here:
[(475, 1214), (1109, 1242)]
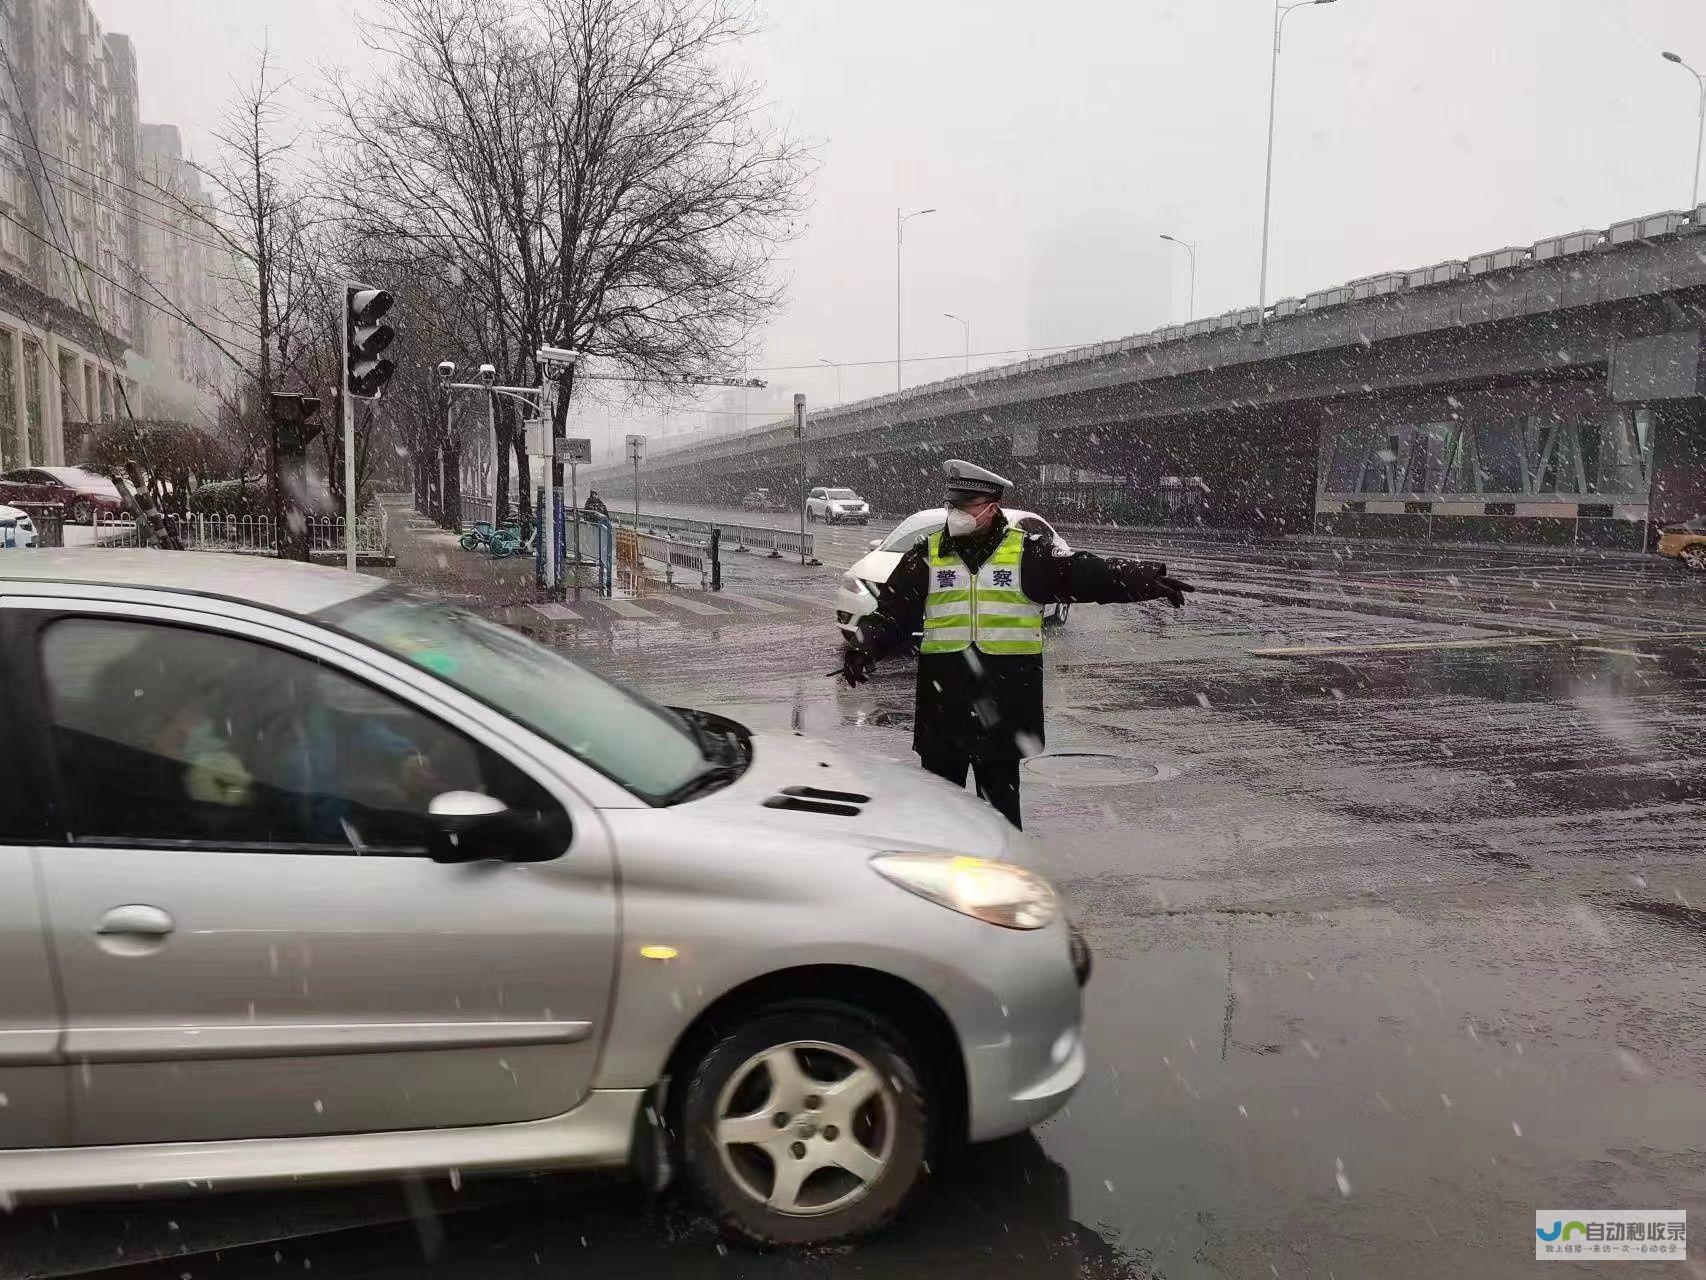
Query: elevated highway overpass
[(1549, 392)]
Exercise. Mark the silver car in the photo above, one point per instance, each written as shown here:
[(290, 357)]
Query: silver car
[(302, 876)]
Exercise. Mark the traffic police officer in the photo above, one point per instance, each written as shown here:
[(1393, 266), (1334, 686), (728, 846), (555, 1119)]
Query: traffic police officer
[(976, 589)]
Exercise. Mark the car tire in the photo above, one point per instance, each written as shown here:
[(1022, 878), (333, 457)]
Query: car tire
[(1695, 557), (732, 1094), (80, 512)]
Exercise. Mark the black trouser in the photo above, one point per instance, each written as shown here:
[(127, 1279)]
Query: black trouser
[(996, 774)]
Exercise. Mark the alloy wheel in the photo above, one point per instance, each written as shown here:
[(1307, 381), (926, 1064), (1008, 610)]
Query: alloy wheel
[(806, 1128)]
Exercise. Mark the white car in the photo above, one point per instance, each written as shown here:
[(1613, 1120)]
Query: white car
[(837, 506), (16, 528), (857, 595)]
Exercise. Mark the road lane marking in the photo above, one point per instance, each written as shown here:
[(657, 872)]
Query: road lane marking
[(556, 612), (754, 602), (1493, 642), (628, 609), (694, 606)]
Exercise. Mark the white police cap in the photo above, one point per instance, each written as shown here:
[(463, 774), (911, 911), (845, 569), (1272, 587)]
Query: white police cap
[(967, 478)]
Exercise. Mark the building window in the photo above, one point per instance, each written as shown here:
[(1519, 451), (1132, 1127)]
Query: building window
[(1498, 447)]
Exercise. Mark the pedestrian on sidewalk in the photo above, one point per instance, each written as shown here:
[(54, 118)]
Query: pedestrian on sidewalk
[(975, 589), (595, 506)]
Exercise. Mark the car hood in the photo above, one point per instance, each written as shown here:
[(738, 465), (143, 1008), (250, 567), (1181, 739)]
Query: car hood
[(904, 807), (875, 566)]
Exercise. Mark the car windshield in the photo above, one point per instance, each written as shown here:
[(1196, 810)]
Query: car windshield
[(843, 495), (646, 748), (909, 530)]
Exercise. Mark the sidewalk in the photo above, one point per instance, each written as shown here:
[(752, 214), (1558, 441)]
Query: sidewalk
[(430, 559)]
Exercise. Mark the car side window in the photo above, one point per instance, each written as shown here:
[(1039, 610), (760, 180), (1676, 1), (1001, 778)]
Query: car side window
[(168, 734)]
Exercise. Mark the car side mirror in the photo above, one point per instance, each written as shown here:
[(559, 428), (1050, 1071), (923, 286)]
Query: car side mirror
[(470, 826)]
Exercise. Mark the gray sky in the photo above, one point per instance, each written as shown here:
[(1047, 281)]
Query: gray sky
[(1409, 131)]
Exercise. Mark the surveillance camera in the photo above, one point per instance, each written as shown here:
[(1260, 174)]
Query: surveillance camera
[(558, 355), (488, 374), (446, 370)]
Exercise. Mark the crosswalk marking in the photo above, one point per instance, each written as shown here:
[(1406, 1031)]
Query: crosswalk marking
[(627, 609), (754, 602), (695, 606), (556, 612)]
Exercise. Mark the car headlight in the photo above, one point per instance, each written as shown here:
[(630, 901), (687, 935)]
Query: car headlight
[(996, 892)]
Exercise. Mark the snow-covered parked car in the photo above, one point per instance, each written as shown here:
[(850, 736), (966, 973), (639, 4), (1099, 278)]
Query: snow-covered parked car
[(16, 528)]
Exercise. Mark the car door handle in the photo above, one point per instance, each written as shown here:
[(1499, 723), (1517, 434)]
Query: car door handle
[(136, 919)]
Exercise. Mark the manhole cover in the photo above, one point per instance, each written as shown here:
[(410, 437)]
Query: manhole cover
[(1094, 769)]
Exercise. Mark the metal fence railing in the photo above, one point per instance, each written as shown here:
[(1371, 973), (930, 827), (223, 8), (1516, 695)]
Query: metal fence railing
[(251, 535), (475, 507), (742, 537), (676, 557)]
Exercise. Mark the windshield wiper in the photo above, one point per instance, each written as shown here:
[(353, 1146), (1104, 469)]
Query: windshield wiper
[(716, 745), (714, 778)]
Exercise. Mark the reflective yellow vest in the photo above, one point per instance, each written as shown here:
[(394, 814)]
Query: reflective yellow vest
[(986, 608)]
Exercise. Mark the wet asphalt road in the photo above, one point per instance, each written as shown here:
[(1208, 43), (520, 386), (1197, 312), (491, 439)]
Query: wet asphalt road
[(1395, 870)]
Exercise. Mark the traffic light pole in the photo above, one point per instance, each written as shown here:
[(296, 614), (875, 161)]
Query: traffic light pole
[(346, 403)]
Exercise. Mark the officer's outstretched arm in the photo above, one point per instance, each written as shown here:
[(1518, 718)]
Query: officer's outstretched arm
[(1083, 578)]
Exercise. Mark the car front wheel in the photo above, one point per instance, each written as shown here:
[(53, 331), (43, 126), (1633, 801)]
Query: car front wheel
[(1695, 557), (805, 1125)]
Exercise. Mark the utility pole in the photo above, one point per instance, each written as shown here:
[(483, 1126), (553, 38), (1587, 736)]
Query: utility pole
[(1189, 246), (1700, 138), (900, 221), (966, 325), (805, 476), (1281, 12), (557, 362)]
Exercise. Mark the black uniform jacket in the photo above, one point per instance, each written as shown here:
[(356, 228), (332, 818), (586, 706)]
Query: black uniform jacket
[(983, 704)]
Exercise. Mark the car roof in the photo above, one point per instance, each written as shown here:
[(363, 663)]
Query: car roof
[(930, 515), (77, 475), (285, 585)]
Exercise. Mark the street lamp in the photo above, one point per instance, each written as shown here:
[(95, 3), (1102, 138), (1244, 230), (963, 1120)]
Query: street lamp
[(900, 221), (1189, 246), (1700, 140), (1280, 13), (966, 324), (833, 365)]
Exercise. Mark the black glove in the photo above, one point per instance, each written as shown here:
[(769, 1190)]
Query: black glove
[(856, 666), (1174, 590), (1152, 579)]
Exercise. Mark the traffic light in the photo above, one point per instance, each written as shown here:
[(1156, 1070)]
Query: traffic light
[(366, 371), (294, 428)]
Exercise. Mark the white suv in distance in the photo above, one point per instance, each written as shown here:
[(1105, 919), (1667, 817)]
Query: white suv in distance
[(857, 594), (837, 506)]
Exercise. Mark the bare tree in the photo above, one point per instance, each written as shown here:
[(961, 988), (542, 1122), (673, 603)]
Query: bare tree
[(265, 217), (598, 174)]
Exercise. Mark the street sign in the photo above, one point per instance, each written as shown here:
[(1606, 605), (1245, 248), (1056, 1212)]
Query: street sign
[(636, 448), (799, 415), (574, 449)]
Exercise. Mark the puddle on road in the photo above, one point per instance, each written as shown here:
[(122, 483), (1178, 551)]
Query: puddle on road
[(1094, 769), (1301, 1092)]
